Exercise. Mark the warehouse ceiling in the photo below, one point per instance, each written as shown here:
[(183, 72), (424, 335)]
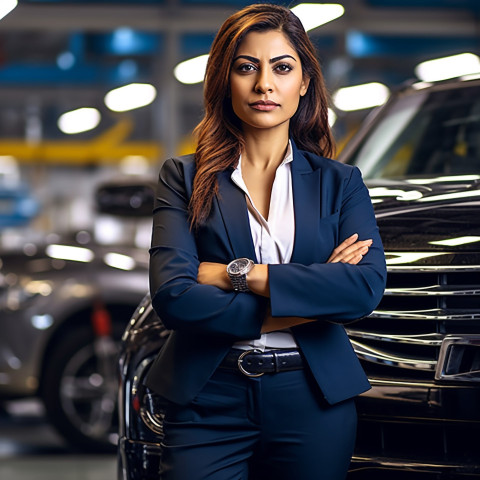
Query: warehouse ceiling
[(59, 55)]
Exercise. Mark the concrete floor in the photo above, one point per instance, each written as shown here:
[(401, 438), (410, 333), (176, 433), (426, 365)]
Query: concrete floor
[(31, 450)]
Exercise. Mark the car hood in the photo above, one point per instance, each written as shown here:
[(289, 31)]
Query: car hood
[(430, 223)]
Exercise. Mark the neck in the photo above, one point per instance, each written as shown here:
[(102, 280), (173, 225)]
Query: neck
[(265, 149)]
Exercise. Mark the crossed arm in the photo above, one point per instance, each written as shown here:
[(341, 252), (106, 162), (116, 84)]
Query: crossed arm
[(350, 251)]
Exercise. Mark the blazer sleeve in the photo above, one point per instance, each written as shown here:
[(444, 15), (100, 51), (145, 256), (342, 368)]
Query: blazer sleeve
[(180, 301), (335, 292)]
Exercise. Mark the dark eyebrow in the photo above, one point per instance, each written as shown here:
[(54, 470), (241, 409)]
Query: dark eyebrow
[(281, 57), (256, 60)]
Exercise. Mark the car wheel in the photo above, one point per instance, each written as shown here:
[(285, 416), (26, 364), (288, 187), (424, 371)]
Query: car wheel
[(80, 388)]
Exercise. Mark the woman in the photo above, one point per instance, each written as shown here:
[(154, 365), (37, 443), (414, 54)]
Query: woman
[(262, 248)]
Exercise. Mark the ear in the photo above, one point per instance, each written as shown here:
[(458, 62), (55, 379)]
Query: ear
[(304, 85)]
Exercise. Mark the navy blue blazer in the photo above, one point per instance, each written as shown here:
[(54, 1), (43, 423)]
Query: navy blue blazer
[(331, 203)]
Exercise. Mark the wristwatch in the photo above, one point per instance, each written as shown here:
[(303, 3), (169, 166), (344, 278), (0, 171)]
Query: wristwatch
[(237, 271)]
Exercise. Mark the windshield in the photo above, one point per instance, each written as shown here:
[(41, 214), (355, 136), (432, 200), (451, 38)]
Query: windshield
[(424, 133)]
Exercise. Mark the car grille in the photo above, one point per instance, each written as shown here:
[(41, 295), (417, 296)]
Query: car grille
[(425, 309)]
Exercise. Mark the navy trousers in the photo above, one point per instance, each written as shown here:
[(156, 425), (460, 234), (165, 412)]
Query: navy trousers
[(275, 427)]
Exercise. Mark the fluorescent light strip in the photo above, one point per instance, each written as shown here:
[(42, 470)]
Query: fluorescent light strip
[(6, 6), (79, 120), (129, 97), (448, 67), (313, 15), (117, 260), (66, 252), (359, 97)]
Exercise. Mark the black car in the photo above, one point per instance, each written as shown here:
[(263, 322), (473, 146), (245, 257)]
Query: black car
[(420, 157)]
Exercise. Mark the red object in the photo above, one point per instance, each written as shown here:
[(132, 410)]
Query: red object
[(136, 403), (101, 321)]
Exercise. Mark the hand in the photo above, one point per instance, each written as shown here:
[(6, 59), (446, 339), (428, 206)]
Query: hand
[(210, 273), (350, 250)]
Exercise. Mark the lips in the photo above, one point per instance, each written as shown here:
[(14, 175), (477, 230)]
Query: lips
[(264, 105)]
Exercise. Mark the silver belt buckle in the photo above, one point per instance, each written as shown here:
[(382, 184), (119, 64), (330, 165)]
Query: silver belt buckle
[(242, 369)]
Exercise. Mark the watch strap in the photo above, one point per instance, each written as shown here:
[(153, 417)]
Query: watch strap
[(239, 282)]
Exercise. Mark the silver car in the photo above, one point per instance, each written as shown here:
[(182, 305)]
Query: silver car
[(63, 307)]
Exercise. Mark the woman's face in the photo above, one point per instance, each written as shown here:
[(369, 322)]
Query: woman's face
[(266, 81)]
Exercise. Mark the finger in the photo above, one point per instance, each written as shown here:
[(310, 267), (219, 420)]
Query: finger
[(348, 252), (357, 247), (354, 256), (349, 245), (346, 243)]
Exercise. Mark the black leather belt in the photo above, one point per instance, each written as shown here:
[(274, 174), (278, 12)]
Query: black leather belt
[(254, 363)]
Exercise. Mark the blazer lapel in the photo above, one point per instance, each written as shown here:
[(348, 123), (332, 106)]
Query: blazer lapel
[(233, 209), (306, 198)]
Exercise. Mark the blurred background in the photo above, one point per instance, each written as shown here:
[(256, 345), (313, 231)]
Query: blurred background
[(94, 94)]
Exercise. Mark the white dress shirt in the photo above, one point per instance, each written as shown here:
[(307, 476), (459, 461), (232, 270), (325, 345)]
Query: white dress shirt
[(273, 238)]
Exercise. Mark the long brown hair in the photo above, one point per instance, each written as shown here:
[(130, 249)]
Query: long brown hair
[(219, 134)]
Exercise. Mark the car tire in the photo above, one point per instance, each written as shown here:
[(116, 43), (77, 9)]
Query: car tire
[(80, 386)]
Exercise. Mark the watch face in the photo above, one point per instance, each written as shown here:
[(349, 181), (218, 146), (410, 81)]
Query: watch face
[(237, 266)]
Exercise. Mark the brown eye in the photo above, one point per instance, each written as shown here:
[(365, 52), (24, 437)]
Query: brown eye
[(283, 68), (246, 68)]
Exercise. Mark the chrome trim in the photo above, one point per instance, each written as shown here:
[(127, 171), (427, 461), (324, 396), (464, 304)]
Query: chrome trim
[(374, 355), (363, 462), (138, 375), (448, 341), (433, 268), (431, 314), (430, 339), (433, 290), (153, 421), (379, 382), (139, 315)]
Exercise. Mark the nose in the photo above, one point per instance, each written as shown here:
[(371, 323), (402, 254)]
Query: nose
[(264, 82)]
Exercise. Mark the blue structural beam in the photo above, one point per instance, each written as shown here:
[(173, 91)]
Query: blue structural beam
[(86, 74), (361, 45)]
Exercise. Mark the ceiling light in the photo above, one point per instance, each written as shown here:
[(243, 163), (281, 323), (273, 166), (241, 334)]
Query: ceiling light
[(472, 76), (6, 6), (312, 15), (117, 260), (360, 97), (448, 67), (129, 97), (191, 71), (79, 120), (332, 117), (66, 252)]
